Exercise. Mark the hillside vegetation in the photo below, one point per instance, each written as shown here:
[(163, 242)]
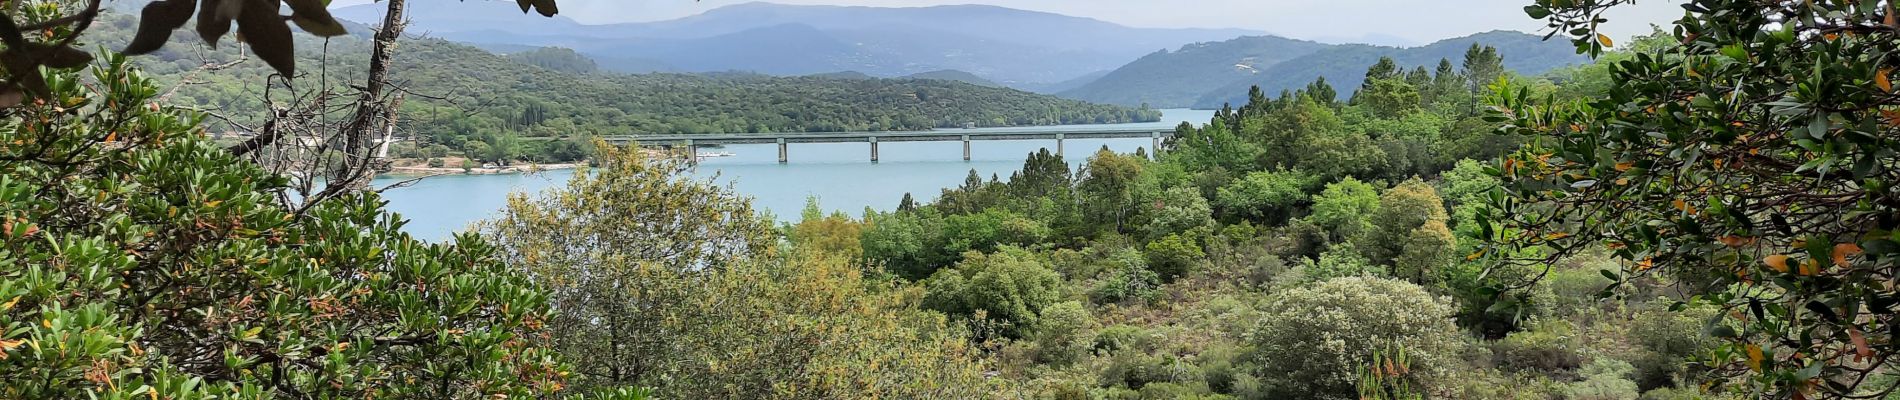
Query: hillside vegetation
[(463, 95), (1209, 75), (1524, 54), (1171, 79)]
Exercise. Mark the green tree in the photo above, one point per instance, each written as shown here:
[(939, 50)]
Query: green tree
[(1389, 98), (632, 234), (1753, 160), (1345, 208), (1107, 186), (1174, 256), (142, 261), (1007, 289), (1066, 334), (1268, 197), (1482, 67), (1129, 279), (1308, 136), (1403, 210), (1176, 210), (909, 244)]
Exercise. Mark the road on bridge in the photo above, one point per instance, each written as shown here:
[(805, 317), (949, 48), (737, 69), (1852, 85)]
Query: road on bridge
[(692, 142)]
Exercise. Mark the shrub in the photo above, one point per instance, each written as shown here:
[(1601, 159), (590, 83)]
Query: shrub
[(1009, 288), (1065, 335), (1547, 348), (1116, 338), (1174, 256), (1267, 197), (1131, 280), (1310, 341), (1604, 379)]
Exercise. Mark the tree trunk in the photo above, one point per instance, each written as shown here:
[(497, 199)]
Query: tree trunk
[(373, 114)]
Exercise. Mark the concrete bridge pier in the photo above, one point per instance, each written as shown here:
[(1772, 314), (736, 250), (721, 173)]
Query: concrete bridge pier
[(873, 149), (692, 152), (1154, 150), (781, 151), (966, 147), (1058, 145)]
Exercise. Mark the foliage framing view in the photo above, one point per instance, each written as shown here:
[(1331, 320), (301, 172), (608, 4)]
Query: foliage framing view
[(1726, 186), (1753, 161)]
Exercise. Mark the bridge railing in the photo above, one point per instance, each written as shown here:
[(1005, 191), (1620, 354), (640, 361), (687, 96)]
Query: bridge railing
[(692, 142)]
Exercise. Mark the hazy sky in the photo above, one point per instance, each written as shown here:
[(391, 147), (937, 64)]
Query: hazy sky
[(1414, 20)]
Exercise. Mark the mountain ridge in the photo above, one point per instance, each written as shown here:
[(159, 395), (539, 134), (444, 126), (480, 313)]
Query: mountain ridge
[(1019, 48), (1344, 66)]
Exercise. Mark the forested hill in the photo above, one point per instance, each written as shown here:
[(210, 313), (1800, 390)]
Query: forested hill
[(487, 94), (1342, 65), (1168, 79)]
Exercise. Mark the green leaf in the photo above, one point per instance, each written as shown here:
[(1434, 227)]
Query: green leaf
[(1537, 11)]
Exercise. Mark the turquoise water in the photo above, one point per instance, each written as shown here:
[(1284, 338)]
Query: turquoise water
[(840, 175)]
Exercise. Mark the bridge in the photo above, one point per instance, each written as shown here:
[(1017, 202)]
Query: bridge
[(692, 142)]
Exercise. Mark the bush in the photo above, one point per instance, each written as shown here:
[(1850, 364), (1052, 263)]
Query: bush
[(1174, 256), (1135, 370), (1266, 197), (1065, 335), (1547, 349), (1344, 209), (1311, 341), (1177, 210), (1117, 338), (1342, 260), (1604, 379), (1131, 280), (1009, 288), (1668, 339)]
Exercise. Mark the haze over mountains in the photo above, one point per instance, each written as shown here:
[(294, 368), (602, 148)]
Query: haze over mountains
[(1078, 58), (1013, 47), (1207, 75)]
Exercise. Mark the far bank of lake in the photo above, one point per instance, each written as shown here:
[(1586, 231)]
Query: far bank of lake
[(839, 175)]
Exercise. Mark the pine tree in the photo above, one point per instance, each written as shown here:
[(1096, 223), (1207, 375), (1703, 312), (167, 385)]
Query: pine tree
[(1483, 66)]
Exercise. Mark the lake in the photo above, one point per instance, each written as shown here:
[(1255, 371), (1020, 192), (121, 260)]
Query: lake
[(840, 175)]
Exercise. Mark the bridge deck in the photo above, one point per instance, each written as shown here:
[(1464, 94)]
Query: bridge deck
[(908, 136)]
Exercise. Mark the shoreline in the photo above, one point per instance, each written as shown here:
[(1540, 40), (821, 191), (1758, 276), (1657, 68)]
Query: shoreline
[(410, 172)]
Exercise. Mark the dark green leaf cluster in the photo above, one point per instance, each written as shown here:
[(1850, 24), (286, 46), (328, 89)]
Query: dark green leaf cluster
[(143, 262), (1750, 154)]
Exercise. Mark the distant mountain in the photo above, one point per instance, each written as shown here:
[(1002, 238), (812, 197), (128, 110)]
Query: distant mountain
[(1013, 47), (1169, 79), (1344, 66), (1376, 39), (465, 94), (953, 75), (556, 59), (842, 75), (1063, 86)]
